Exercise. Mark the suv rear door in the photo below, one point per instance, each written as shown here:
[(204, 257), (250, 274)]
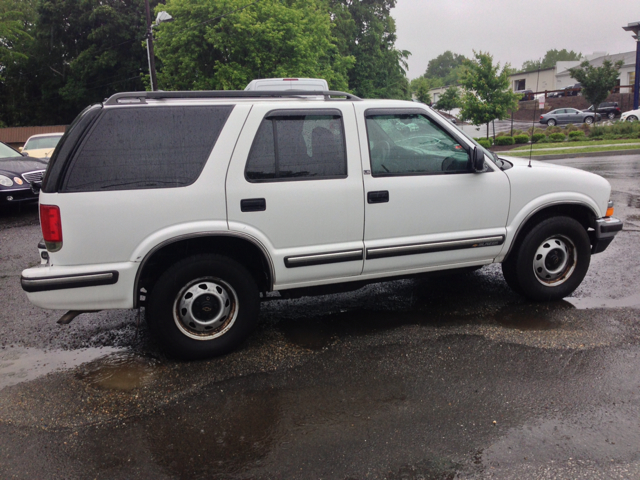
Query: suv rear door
[(425, 208), (295, 185)]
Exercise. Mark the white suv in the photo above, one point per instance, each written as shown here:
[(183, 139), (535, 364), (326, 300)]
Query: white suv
[(196, 204)]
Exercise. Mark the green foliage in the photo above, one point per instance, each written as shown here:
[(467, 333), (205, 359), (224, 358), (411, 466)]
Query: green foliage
[(447, 67), (554, 129), (597, 82), (576, 135), (557, 137), (506, 140), (537, 137), (521, 139), (485, 142), (449, 100), (487, 94), (616, 130), (420, 88), (366, 32), (550, 59)]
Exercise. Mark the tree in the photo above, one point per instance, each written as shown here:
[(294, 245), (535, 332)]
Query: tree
[(550, 59), (448, 67), (449, 100), (420, 88), (366, 32), (596, 82), (487, 95), (199, 51)]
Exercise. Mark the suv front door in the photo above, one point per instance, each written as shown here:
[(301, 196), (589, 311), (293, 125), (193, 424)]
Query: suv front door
[(424, 207)]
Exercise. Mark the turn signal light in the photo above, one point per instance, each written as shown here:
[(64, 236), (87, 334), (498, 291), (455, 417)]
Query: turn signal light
[(609, 209), (51, 224)]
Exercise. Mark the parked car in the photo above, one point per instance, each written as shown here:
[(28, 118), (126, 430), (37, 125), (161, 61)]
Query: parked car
[(555, 94), (288, 84), (20, 176), (202, 207), (41, 146), (630, 116), (572, 90), (526, 95), (606, 109), (567, 115)]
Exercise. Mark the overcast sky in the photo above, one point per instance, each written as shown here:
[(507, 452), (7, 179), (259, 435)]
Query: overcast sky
[(511, 30)]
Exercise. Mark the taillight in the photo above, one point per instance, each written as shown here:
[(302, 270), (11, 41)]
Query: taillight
[(51, 227), (540, 117)]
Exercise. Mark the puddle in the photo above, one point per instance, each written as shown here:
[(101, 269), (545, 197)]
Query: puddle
[(123, 371), (19, 365), (586, 303), (633, 201), (533, 316)]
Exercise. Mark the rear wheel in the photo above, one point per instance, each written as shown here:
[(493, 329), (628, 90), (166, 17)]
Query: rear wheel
[(611, 115), (203, 306), (551, 261), (551, 123), (632, 118)]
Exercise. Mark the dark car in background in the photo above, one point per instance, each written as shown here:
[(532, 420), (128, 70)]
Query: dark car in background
[(20, 176), (567, 115), (607, 109)]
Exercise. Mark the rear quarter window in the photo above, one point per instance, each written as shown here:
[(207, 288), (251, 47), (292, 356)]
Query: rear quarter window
[(145, 147)]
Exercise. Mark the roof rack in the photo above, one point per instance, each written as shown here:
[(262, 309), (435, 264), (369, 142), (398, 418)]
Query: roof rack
[(141, 97)]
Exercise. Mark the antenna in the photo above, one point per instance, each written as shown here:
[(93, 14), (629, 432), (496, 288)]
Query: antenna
[(533, 124)]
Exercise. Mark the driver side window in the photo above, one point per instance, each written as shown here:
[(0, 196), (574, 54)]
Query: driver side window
[(411, 144)]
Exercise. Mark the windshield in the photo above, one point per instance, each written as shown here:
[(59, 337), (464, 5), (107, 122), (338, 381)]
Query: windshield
[(6, 151), (42, 142)]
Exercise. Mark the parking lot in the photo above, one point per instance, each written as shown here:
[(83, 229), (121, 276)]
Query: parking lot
[(451, 376)]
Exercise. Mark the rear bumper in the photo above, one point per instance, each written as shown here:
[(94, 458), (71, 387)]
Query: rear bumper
[(83, 287), (603, 233)]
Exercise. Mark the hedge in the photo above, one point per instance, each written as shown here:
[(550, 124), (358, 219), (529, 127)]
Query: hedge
[(485, 142), (504, 141), (557, 137), (576, 135), (521, 138), (537, 137)]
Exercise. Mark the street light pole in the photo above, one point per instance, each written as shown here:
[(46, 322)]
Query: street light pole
[(635, 28), (150, 55)]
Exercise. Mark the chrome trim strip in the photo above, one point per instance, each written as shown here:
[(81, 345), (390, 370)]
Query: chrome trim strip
[(432, 247), (323, 258), (68, 281)]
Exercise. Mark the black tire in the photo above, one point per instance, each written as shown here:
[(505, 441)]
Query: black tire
[(551, 123), (611, 115), (551, 261), (632, 118), (203, 306), (588, 120)]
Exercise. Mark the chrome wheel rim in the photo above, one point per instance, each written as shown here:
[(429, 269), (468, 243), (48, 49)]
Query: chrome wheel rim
[(588, 120), (555, 260), (205, 308)]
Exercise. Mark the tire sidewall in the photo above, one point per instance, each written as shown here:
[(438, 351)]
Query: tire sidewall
[(565, 226), (163, 296)]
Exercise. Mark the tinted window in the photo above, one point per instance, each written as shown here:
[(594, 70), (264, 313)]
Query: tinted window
[(290, 147), (152, 147), (411, 144)]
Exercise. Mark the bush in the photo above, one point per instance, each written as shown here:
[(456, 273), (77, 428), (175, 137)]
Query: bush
[(502, 134), (504, 141), (571, 128), (521, 139), (597, 132), (490, 140), (485, 142), (554, 129), (557, 137), (537, 137), (576, 135)]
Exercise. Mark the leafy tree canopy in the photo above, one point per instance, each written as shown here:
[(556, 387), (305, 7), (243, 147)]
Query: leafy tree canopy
[(550, 59), (597, 82), (449, 100), (487, 95), (420, 88)]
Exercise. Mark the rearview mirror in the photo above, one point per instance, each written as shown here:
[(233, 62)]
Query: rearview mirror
[(477, 159)]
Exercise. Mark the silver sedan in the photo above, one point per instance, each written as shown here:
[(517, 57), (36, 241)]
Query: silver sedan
[(567, 115)]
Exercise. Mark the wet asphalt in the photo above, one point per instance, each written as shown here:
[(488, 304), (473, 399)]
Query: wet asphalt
[(451, 376)]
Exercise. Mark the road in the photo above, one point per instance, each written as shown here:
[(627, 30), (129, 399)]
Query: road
[(438, 378)]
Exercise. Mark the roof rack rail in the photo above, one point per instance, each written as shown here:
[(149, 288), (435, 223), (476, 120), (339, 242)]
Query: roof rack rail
[(141, 97)]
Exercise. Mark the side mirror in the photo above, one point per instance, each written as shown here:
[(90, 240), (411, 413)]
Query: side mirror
[(477, 159), (20, 149)]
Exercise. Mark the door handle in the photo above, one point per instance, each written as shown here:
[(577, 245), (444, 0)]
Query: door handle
[(381, 196), (253, 205)]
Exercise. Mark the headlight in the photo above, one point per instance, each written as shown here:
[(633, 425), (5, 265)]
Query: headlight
[(5, 181)]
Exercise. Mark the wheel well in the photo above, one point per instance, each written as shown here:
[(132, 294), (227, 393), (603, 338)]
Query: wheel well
[(584, 215), (239, 249)]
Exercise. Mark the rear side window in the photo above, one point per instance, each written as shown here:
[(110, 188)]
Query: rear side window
[(153, 147), (298, 147)]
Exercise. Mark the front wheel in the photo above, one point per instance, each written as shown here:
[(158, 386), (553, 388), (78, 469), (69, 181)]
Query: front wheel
[(203, 306), (588, 120), (551, 261)]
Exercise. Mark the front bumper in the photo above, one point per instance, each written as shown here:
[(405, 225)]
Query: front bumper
[(603, 233), (17, 195)]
